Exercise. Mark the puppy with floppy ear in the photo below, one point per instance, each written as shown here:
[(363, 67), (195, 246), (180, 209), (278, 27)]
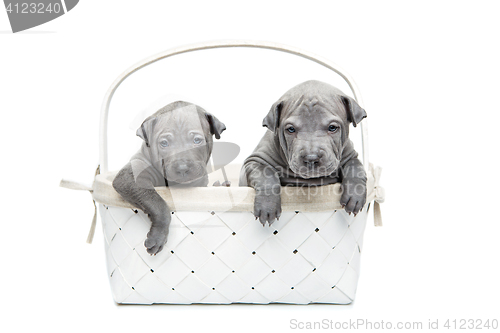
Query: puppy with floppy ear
[(177, 143), (307, 144)]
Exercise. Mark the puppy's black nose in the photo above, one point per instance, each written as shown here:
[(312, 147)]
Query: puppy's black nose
[(182, 168), (311, 160)]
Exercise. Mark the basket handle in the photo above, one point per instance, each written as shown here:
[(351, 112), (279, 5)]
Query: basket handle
[(103, 129)]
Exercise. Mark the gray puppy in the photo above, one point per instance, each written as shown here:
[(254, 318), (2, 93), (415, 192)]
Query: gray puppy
[(175, 152), (307, 145)]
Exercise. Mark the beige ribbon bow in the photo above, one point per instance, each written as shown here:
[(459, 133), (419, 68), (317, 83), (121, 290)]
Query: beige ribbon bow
[(78, 186), (379, 195)]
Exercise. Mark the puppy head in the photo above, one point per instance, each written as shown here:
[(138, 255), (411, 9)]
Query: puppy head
[(312, 124), (179, 140)]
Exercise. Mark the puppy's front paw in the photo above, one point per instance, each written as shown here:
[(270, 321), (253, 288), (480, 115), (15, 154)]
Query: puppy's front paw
[(267, 207), (156, 239), (353, 196)]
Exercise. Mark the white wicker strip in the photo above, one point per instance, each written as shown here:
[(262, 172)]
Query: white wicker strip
[(227, 257)]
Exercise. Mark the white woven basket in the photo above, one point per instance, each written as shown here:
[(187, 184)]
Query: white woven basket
[(216, 252)]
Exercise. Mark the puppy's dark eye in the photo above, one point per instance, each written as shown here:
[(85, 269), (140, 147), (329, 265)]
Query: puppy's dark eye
[(290, 130), (164, 143), (197, 140), (333, 128)]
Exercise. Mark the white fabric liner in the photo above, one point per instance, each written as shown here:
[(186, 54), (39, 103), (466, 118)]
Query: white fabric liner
[(233, 198)]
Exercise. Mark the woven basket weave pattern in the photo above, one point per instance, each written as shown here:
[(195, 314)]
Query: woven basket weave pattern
[(228, 257)]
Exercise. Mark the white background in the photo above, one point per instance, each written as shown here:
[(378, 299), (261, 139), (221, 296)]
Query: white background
[(429, 74)]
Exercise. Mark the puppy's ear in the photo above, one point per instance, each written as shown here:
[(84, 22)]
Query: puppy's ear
[(272, 120), (354, 112), (146, 129), (216, 126)]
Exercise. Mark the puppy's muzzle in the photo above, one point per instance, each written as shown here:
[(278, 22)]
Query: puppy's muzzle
[(181, 168), (183, 171), (311, 161)]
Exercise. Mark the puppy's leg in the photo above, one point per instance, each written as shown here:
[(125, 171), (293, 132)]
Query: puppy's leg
[(141, 193), (265, 180), (353, 186)]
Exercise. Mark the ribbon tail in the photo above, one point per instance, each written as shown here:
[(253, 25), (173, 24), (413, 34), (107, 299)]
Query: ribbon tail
[(377, 215), (90, 237), (72, 185)]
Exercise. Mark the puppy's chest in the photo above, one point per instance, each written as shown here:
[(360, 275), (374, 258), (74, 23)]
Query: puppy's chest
[(291, 179)]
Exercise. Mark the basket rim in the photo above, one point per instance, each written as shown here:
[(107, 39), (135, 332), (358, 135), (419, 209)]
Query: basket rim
[(234, 198)]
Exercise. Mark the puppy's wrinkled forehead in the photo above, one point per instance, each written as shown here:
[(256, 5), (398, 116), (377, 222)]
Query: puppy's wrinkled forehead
[(182, 120), (312, 105)]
